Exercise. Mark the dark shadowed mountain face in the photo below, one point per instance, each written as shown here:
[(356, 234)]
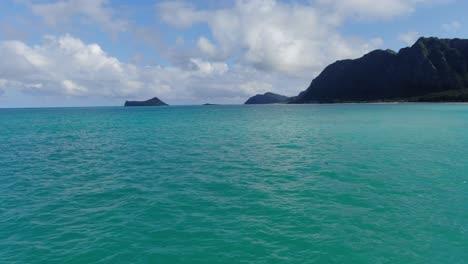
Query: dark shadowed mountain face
[(431, 70), (267, 98), (151, 102)]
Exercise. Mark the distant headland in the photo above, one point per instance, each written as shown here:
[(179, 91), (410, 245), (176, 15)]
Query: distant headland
[(151, 102), (432, 70), (267, 98)]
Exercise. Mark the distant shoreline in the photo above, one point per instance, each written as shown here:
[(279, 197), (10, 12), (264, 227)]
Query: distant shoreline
[(344, 103)]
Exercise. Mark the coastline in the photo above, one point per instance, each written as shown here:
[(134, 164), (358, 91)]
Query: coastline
[(169, 106)]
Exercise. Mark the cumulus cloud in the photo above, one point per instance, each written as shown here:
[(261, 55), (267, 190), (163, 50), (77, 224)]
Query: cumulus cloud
[(288, 38), (409, 38), (206, 47), (63, 65), (67, 66), (270, 45)]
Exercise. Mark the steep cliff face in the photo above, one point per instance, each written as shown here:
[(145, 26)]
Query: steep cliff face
[(431, 70), (151, 102), (267, 98)]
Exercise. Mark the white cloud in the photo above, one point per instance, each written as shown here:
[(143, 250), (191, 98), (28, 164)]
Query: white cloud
[(205, 67), (95, 12), (206, 47), (409, 38), (255, 87), (293, 39), (271, 45), (289, 38), (66, 66), (180, 13), (71, 87)]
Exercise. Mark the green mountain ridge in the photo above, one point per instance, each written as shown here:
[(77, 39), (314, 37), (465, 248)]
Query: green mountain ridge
[(432, 70)]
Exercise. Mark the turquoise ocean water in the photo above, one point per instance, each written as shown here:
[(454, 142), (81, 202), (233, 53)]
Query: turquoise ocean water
[(235, 184)]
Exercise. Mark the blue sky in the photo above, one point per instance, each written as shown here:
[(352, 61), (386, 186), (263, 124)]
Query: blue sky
[(102, 52)]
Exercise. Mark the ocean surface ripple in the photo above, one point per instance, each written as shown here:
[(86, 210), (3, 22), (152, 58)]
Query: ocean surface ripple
[(235, 184)]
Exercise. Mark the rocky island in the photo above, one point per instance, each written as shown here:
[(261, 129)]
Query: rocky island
[(432, 70), (267, 98), (151, 102)]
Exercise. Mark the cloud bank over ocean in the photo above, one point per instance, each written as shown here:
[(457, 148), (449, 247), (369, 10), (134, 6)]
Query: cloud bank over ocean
[(187, 53)]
